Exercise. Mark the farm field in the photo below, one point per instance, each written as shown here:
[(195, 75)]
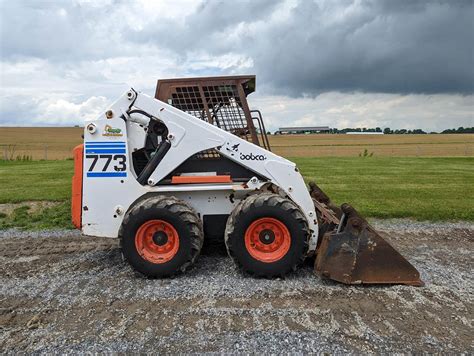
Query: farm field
[(58, 142), (47, 143), (394, 183), (385, 187), (52, 274), (433, 145)]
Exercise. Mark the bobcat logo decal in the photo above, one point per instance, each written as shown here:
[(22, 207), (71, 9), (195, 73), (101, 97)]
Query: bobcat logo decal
[(252, 157)]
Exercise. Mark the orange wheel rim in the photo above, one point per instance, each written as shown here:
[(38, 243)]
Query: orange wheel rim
[(157, 241), (267, 240)]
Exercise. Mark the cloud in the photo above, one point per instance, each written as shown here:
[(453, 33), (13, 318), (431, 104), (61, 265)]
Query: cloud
[(46, 111), (348, 62), (334, 109), (320, 46)]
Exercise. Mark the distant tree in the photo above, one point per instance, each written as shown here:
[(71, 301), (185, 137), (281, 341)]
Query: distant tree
[(449, 131), (388, 130), (418, 131), (459, 130)]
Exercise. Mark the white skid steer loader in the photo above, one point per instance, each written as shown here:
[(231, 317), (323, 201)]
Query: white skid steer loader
[(161, 174)]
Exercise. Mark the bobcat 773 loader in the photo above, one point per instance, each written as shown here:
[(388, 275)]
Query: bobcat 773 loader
[(163, 173)]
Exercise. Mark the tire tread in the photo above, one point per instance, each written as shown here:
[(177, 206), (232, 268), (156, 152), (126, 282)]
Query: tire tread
[(257, 201), (186, 213)]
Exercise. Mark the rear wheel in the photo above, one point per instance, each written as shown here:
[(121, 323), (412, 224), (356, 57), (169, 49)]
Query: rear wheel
[(267, 235), (161, 236)]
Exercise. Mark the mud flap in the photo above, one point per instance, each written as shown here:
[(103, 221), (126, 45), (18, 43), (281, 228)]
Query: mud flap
[(356, 254)]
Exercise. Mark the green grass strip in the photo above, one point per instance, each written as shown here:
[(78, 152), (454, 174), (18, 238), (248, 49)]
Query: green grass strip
[(423, 188)]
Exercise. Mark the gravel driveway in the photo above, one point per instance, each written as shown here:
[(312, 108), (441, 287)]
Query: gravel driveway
[(62, 292)]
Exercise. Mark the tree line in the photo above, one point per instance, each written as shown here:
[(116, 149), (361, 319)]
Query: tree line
[(386, 131), (459, 130), (389, 131)]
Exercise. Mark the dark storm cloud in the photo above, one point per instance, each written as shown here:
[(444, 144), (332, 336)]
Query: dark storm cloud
[(204, 29), (369, 46), (420, 49), (374, 46)]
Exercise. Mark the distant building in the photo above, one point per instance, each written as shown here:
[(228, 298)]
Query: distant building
[(302, 130)]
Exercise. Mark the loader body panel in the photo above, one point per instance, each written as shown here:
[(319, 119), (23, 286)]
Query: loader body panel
[(111, 188), (77, 181), (110, 182), (142, 147)]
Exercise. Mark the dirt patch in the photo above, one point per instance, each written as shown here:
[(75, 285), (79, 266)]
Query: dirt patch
[(74, 293), (34, 206)]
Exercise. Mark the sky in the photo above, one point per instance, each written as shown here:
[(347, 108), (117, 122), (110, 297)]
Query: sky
[(349, 63)]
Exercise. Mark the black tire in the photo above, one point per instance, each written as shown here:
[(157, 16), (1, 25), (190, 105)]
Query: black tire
[(273, 206), (172, 211)]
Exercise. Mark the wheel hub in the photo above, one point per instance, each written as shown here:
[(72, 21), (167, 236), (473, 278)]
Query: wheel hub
[(267, 236), (160, 238), (157, 241), (267, 239)]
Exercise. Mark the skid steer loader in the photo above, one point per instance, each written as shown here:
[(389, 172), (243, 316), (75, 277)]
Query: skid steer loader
[(163, 173)]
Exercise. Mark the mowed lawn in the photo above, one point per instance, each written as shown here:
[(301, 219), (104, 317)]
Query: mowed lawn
[(423, 188), (35, 180), (387, 187)]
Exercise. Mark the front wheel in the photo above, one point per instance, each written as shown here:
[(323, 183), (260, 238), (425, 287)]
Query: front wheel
[(267, 235), (161, 236)]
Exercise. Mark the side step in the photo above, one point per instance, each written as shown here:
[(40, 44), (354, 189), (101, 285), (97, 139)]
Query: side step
[(200, 179)]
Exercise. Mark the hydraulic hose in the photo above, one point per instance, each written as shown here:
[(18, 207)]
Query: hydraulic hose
[(160, 153)]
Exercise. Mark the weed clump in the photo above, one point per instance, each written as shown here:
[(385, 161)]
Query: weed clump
[(366, 153), (54, 217)]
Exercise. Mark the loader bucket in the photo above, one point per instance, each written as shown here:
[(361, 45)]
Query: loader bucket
[(355, 253)]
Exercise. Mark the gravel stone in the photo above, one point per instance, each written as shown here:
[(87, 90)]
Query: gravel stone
[(64, 292)]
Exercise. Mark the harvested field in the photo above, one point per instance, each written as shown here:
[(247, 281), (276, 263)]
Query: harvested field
[(39, 142), (380, 145), (61, 292), (58, 142)]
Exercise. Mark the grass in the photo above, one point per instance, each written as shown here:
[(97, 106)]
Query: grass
[(36, 180), (58, 216), (437, 189), (421, 188)]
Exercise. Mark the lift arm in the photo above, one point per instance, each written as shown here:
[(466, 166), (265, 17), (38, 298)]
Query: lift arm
[(187, 135)]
